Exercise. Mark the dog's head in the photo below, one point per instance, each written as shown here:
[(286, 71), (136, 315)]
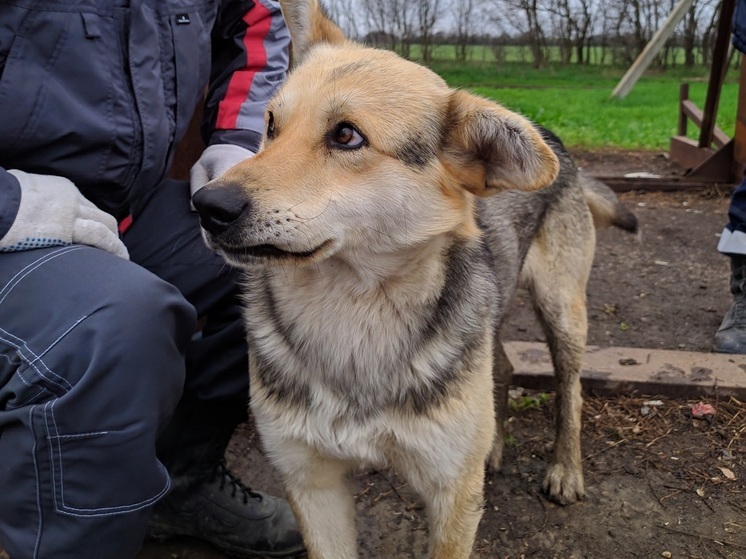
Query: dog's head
[(367, 153)]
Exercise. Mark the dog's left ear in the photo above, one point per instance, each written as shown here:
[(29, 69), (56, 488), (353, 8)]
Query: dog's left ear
[(308, 25), (489, 148)]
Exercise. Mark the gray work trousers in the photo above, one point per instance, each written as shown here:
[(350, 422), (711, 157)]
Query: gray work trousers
[(96, 353)]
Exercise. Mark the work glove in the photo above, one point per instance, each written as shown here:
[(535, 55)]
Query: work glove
[(53, 212), (215, 161)]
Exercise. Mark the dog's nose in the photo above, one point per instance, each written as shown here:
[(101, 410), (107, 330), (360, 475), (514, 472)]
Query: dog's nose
[(220, 206)]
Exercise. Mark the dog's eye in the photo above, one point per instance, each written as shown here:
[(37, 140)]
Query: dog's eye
[(346, 136), (270, 125)]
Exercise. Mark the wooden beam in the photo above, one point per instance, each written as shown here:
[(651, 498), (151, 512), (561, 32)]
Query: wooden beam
[(624, 370), (661, 184), (718, 167), (635, 72), (717, 72), (683, 98), (688, 108), (686, 152)]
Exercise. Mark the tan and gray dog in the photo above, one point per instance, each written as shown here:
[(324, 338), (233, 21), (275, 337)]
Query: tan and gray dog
[(384, 226)]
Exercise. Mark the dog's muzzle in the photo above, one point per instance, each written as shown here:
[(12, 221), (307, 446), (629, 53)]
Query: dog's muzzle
[(220, 206)]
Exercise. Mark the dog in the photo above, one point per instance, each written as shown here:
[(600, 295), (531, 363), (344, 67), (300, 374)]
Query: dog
[(384, 226)]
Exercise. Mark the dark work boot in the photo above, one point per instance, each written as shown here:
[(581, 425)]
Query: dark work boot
[(207, 501), (223, 511), (731, 336)]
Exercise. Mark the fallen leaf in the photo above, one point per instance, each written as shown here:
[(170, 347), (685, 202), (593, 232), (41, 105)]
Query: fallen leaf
[(727, 473)]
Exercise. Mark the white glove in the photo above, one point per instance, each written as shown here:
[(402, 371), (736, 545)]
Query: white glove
[(215, 161), (53, 212)]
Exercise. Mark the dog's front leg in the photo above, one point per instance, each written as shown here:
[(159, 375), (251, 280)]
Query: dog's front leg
[(321, 496), (454, 514), (454, 503)]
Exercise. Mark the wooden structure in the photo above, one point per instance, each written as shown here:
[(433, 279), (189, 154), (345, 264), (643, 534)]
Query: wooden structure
[(651, 50), (714, 156)]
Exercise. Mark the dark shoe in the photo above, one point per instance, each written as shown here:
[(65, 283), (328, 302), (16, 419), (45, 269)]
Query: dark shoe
[(229, 515), (731, 336)]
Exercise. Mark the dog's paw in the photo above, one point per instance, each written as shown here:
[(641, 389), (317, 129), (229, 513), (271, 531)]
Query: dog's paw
[(564, 485)]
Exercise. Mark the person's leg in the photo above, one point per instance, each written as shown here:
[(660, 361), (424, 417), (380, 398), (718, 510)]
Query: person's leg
[(731, 336), (165, 238), (91, 368)]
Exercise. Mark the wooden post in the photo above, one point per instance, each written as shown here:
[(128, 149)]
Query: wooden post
[(639, 66), (683, 96), (717, 72)]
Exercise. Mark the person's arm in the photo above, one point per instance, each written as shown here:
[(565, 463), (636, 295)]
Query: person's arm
[(250, 49), (739, 26)]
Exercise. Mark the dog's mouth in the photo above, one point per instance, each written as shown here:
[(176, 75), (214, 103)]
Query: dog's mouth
[(252, 253)]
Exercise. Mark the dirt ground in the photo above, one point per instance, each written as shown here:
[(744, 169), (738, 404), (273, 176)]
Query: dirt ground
[(659, 482)]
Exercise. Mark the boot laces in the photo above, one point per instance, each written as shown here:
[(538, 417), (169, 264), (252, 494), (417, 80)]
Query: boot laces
[(231, 481)]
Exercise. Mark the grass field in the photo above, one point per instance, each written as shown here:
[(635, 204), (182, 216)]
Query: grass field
[(575, 101), (513, 53)]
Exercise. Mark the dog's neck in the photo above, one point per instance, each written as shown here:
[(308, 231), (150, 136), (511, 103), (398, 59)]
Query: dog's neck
[(375, 333), (414, 272)]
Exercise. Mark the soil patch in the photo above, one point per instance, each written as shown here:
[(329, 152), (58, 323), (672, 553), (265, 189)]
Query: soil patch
[(659, 482)]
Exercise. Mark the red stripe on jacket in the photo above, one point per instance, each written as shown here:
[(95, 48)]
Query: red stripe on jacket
[(259, 22)]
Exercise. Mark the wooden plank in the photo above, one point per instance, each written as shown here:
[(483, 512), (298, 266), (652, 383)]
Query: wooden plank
[(693, 112), (686, 152), (635, 72), (717, 72), (718, 167), (697, 116), (625, 370), (683, 97), (662, 184)]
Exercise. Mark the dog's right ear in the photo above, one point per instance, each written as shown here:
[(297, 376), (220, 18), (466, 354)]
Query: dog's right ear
[(489, 148), (308, 25)]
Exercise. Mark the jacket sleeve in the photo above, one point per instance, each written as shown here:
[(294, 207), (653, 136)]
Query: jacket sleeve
[(10, 200), (739, 26), (250, 54)]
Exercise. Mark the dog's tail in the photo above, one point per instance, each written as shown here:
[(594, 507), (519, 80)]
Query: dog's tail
[(605, 207)]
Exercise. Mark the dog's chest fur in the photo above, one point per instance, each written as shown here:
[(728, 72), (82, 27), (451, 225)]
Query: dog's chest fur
[(339, 361)]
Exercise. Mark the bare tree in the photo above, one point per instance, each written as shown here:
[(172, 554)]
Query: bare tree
[(583, 23), (345, 13), (464, 13), (620, 28), (428, 12), (527, 18), (390, 23), (709, 35)]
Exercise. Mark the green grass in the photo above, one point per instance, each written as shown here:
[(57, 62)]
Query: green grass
[(575, 101), (512, 53)]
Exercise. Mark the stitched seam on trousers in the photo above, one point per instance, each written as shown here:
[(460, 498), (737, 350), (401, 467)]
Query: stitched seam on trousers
[(37, 544), (109, 511), (63, 384), (65, 333), (83, 435), (41, 390), (33, 266)]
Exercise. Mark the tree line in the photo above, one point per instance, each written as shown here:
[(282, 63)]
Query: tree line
[(581, 31)]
